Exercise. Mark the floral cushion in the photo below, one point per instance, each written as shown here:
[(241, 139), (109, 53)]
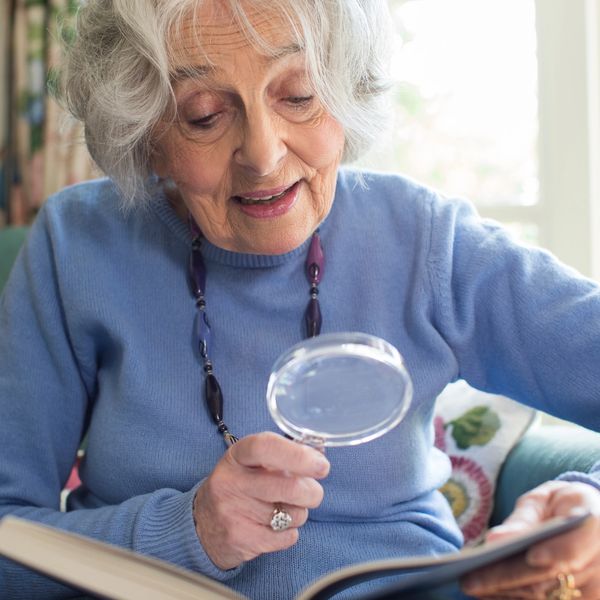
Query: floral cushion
[(476, 430)]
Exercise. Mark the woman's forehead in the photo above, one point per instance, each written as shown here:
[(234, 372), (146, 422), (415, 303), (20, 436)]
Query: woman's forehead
[(212, 33)]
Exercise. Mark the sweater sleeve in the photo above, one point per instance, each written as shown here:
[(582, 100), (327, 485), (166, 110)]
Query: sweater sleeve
[(518, 322), (591, 478), (46, 399)]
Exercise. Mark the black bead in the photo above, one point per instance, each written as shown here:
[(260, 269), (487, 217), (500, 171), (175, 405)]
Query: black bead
[(313, 318), (197, 273), (214, 398)]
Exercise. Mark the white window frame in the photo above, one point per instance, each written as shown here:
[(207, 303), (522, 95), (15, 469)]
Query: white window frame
[(568, 214)]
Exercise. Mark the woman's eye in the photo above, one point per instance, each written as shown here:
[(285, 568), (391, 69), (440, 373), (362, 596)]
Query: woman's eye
[(299, 101), (206, 122)]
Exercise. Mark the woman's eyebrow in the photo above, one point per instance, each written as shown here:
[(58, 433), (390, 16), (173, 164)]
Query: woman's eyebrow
[(202, 70), (279, 53), (191, 72)]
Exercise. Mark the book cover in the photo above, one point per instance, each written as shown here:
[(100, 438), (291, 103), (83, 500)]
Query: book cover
[(113, 573)]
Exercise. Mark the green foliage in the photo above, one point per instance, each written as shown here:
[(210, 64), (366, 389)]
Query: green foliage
[(64, 18), (53, 80), (36, 138), (36, 34), (476, 427), (23, 102), (67, 35)]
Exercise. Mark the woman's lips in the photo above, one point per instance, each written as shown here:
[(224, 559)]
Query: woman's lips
[(265, 193), (268, 204)]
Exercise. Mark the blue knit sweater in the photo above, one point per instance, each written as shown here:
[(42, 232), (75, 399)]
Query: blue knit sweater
[(96, 334)]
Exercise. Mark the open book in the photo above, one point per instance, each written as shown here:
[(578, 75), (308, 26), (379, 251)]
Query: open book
[(105, 571)]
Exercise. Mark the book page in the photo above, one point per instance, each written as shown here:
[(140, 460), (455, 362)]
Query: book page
[(101, 569)]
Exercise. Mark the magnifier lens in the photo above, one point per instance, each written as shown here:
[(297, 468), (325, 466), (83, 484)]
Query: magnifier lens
[(339, 389)]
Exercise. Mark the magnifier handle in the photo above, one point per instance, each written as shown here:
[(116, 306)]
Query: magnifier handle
[(309, 440)]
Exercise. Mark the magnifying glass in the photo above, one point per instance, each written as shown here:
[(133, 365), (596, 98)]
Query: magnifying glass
[(339, 389)]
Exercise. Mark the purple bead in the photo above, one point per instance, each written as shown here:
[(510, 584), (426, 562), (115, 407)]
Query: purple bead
[(313, 318), (197, 273), (315, 257), (203, 332)]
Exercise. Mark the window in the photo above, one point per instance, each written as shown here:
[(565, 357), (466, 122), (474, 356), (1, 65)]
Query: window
[(497, 101)]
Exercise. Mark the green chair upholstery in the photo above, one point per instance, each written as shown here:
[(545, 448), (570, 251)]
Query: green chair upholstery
[(11, 239), (543, 453)]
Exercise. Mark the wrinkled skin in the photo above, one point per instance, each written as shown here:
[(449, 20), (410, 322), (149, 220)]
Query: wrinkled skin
[(248, 123), (576, 552), (234, 506)]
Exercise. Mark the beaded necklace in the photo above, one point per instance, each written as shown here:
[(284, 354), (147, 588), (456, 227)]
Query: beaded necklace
[(213, 396)]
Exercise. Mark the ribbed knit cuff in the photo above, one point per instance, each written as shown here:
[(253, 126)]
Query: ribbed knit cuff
[(165, 529), (591, 478)]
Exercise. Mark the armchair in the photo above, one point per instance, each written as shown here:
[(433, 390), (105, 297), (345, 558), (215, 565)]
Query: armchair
[(11, 239), (543, 453)]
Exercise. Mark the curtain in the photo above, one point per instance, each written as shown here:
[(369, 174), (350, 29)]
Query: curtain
[(41, 151)]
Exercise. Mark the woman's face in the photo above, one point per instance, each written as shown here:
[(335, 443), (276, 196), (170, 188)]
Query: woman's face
[(254, 155)]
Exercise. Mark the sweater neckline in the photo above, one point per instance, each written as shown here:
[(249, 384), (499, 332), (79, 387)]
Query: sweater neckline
[(165, 211)]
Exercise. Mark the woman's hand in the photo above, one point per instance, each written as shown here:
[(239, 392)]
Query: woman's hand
[(575, 553), (234, 506)]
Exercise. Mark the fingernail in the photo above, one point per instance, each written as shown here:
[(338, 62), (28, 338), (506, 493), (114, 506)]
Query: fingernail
[(322, 465), (539, 557)]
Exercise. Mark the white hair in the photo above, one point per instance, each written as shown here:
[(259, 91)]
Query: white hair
[(116, 76)]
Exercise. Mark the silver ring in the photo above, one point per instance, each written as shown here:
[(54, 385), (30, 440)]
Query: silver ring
[(281, 519)]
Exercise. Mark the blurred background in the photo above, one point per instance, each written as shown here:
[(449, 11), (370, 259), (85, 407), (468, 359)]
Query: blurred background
[(497, 101), (40, 151)]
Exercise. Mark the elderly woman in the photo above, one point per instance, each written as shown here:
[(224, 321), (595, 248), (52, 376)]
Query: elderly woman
[(222, 125)]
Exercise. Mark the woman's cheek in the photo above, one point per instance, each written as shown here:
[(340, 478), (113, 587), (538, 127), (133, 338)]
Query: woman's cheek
[(200, 172), (322, 146)]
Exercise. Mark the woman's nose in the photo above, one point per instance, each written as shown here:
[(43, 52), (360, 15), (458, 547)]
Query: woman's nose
[(261, 148)]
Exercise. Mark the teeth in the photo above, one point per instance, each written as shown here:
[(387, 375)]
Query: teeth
[(265, 200)]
